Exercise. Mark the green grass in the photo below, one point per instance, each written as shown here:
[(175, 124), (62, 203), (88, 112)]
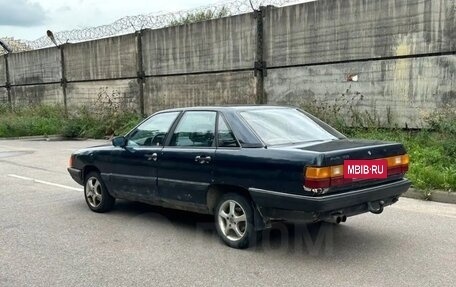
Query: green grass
[(47, 120), (30, 121)]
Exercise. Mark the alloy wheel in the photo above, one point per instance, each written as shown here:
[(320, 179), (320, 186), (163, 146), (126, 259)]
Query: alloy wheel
[(93, 192), (232, 220)]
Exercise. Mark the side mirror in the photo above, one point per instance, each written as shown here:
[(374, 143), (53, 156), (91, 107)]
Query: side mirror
[(119, 141)]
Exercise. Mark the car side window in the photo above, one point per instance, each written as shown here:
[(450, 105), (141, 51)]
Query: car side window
[(153, 131), (195, 129), (225, 135)]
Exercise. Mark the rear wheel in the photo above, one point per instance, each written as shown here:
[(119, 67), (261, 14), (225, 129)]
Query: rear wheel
[(234, 221), (96, 195)]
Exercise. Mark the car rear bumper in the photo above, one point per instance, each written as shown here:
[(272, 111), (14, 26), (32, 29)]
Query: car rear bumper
[(283, 205), (76, 174)]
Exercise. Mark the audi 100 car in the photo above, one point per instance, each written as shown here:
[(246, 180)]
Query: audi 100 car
[(248, 166)]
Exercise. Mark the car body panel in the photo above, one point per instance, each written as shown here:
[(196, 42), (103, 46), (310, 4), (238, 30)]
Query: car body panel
[(130, 171), (182, 177)]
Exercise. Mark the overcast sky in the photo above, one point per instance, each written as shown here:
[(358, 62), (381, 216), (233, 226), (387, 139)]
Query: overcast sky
[(30, 19)]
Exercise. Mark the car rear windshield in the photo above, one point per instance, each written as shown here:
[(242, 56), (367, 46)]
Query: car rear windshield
[(281, 126)]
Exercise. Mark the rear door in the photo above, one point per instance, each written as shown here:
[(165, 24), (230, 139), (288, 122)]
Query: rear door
[(186, 162)]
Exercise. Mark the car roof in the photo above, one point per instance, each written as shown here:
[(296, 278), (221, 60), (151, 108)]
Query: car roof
[(227, 108)]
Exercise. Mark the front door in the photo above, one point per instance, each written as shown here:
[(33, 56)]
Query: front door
[(133, 169), (186, 162)]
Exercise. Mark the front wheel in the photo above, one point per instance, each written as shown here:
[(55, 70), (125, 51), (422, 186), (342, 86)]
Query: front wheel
[(234, 221), (96, 195)]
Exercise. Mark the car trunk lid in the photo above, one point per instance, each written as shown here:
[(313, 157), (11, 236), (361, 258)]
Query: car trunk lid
[(334, 153)]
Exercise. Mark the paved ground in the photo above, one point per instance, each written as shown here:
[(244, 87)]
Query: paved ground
[(48, 237)]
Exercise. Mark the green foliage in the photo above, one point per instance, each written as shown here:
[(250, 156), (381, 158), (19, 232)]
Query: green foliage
[(51, 120), (341, 112), (30, 121), (200, 16), (444, 122), (85, 122)]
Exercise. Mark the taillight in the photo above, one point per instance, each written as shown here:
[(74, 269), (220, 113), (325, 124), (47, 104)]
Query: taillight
[(398, 164), (319, 179), (405, 163)]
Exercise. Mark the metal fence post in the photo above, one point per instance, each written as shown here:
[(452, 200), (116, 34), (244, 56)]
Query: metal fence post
[(260, 65), (141, 77), (8, 82), (63, 80)]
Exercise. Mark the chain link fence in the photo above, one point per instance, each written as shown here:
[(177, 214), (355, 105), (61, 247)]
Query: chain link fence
[(130, 24)]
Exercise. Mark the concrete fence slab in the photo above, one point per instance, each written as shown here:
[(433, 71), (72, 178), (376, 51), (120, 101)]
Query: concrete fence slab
[(50, 94), (402, 92), (2, 71), (37, 66), (223, 44), (120, 93), (341, 30), (3, 96), (199, 90), (110, 58)]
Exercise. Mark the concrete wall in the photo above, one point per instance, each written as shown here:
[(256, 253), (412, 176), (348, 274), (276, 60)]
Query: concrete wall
[(325, 40), (224, 44), (402, 50)]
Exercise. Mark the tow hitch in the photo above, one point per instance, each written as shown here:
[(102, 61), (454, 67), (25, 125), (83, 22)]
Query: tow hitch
[(378, 210)]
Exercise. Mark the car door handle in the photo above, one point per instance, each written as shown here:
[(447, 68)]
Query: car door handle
[(152, 156), (202, 159)]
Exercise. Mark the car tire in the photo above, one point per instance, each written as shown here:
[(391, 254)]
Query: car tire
[(96, 194), (234, 221)]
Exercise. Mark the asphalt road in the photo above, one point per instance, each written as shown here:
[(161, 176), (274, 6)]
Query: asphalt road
[(48, 237)]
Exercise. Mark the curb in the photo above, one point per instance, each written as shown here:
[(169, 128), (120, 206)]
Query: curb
[(37, 138), (44, 138), (435, 195)]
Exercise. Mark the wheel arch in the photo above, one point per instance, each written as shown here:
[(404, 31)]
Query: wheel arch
[(88, 169), (216, 191)]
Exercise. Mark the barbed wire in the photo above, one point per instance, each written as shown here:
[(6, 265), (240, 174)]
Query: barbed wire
[(130, 24)]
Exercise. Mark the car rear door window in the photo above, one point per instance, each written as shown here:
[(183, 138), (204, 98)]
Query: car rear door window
[(225, 135), (195, 129)]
